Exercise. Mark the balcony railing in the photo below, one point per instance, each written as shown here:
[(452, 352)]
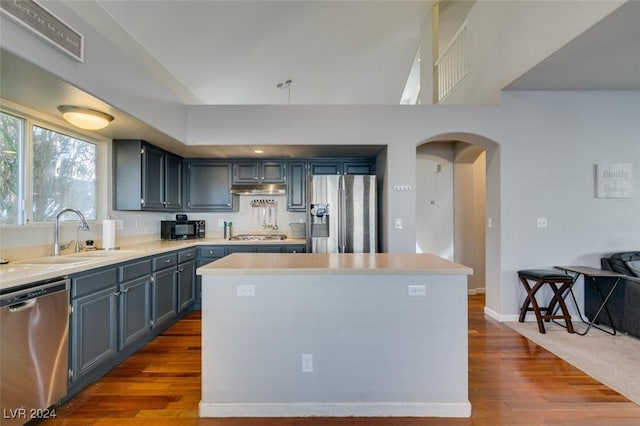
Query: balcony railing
[(453, 65)]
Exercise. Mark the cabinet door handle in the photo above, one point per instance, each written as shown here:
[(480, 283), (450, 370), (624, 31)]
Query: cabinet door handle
[(116, 294), (167, 261)]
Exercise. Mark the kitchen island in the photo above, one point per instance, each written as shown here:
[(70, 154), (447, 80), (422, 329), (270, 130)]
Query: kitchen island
[(334, 335)]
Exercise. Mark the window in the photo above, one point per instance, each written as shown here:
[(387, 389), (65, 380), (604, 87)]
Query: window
[(61, 173), (10, 144), (64, 175)]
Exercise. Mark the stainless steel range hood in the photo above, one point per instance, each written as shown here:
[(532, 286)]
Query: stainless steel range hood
[(259, 189)]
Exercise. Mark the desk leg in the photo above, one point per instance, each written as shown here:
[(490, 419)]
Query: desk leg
[(569, 290), (603, 306)]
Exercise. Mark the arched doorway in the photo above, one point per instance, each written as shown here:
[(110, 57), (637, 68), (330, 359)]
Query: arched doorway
[(458, 206)]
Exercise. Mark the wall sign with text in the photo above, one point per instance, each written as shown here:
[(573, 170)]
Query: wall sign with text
[(614, 180), (36, 18)]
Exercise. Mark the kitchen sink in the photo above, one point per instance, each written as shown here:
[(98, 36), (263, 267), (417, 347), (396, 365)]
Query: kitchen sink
[(70, 259), (258, 237), (100, 253), (53, 260)]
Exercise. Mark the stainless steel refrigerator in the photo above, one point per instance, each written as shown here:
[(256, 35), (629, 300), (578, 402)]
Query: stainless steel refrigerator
[(341, 214)]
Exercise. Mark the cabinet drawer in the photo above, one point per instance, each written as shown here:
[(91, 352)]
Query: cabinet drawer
[(93, 282), (164, 261), (239, 249), (268, 249), (186, 255), (297, 248), (134, 270), (211, 251)]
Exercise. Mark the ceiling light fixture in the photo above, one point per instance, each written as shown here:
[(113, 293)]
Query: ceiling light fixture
[(258, 151), (85, 118), (286, 85)]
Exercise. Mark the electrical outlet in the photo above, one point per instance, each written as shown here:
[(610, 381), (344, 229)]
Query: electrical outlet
[(398, 223), (417, 290), (245, 290), (220, 223), (542, 222), (307, 363)]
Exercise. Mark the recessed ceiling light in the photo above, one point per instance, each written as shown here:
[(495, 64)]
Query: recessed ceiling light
[(85, 118), (258, 151)]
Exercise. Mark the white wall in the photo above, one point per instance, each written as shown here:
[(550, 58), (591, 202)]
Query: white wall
[(508, 38), (434, 199), (469, 217), (548, 171), (450, 205)]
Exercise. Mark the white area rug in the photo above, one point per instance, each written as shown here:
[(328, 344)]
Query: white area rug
[(612, 360)]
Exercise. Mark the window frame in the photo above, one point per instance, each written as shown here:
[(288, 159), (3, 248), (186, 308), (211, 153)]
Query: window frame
[(25, 179)]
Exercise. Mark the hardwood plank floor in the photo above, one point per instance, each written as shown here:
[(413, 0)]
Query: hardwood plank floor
[(512, 381)]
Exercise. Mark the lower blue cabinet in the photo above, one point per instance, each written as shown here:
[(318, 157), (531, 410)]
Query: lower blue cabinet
[(163, 296), (135, 311), (94, 321), (186, 285)]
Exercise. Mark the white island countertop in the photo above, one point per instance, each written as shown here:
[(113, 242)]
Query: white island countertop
[(343, 263)]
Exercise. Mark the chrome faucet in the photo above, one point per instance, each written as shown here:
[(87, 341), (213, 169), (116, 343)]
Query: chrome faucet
[(84, 226)]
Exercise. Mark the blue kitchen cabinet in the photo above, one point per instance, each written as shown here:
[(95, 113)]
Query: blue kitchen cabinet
[(297, 186), (94, 321), (208, 186), (145, 177), (134, 302), (164, 289), (252, 171), (186, 278)]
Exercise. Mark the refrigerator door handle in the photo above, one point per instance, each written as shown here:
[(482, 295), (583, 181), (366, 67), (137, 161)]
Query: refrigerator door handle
[(342, 226)]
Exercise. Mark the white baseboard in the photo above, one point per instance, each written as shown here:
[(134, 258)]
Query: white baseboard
[(499, 317), (530, 317), (335, 409)]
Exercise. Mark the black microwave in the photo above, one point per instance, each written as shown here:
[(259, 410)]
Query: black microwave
[(182, 229)]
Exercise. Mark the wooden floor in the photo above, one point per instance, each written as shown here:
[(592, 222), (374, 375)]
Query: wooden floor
[(512, 381)]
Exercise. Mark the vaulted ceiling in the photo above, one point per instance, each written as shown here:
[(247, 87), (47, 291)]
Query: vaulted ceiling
[(237, 52), (335, 52)]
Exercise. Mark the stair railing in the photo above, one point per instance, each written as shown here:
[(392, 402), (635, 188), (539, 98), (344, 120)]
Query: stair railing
[(453, 65)]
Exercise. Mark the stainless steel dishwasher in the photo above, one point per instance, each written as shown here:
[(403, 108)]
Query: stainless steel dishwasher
[(34, 338)]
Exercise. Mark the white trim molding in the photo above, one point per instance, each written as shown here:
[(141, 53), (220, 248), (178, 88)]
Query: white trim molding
[(335, 409)]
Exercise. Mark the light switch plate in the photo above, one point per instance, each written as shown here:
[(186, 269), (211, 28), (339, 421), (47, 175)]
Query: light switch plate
[(417, 290), (245, 290)]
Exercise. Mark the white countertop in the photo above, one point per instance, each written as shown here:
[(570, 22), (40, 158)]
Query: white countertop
[(26, 271), (346, 263)]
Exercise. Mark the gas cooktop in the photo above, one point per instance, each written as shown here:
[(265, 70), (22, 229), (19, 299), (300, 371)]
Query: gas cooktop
[(258, 237)]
